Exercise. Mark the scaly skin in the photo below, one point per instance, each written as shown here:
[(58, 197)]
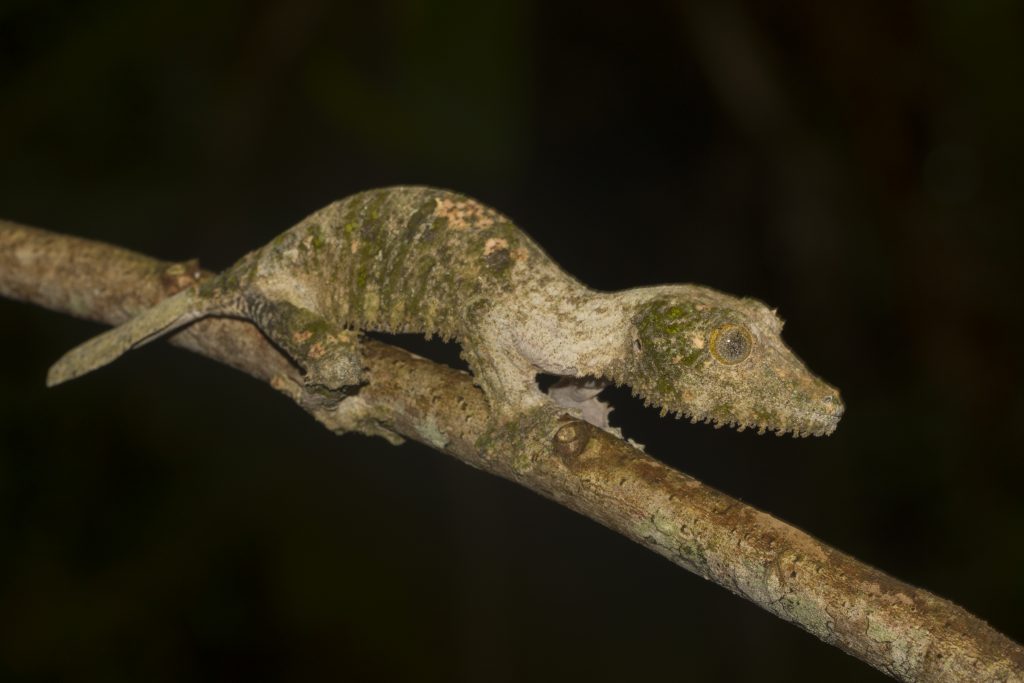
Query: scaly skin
[(417, 259)]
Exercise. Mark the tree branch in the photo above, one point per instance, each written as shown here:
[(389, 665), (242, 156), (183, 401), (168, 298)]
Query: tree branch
[(901, 630)]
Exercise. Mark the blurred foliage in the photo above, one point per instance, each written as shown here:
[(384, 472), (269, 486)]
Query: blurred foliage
[(857, 165)]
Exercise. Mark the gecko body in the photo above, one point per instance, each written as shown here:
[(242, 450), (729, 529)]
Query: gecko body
[(419, 259)]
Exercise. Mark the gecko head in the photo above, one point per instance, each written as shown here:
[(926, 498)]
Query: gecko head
[(716, 358)]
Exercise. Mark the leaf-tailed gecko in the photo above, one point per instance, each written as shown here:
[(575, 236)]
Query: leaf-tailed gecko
[(419, 259)]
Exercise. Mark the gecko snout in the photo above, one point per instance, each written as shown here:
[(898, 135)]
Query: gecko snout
[(832, 405), (829, 410)]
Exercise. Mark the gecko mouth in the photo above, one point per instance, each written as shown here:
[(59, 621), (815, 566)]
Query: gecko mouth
[(803, 417), (811, 423)]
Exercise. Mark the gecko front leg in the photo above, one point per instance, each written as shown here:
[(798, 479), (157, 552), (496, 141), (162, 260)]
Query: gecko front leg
[(509, 377), (506, 377), (579, 396)]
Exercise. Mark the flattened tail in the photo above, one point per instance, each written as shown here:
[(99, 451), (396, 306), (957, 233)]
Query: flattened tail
[(163, 318)]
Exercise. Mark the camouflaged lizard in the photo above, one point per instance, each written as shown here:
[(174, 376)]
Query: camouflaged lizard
[(418, 259)]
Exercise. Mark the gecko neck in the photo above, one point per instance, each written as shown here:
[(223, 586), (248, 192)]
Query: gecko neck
[(589, 331), (614, 314)]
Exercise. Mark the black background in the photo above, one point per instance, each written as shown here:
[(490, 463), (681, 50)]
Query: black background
[(857, 165)]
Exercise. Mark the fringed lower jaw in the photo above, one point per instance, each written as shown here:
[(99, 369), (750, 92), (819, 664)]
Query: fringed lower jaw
[(797, 429), (815, 424), (821, 423)]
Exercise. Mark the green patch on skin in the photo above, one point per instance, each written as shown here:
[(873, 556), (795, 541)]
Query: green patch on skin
[(665, 334), (678, 312), (233, 279), (364, 232), (306, 327), (693, 357), (377, 200), (421, 288), (394, 282), (316, 233), (440, 224)]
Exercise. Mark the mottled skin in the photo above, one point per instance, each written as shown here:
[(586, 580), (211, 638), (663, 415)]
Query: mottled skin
[(417, 259)]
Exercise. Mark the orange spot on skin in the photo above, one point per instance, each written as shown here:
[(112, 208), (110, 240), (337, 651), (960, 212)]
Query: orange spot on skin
[(355, 246), (317, 350), (463, 214), (494, 244), (300, 337)]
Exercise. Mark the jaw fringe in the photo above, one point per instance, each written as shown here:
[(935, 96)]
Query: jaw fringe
[(797, 431)]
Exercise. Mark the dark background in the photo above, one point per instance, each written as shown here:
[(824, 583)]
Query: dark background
[(857, 165)]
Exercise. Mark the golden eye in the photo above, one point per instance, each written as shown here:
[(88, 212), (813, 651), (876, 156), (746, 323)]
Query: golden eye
[(731, 344)]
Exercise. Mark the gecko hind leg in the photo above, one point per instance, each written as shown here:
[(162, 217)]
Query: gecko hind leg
[(330, 358), (328, 354), (166, 316)]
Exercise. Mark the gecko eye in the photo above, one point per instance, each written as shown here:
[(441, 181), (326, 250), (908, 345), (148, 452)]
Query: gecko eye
[(731, 344)]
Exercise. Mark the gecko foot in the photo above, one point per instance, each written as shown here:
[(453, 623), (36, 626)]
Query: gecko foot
[(579, 396), (333, 368)]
